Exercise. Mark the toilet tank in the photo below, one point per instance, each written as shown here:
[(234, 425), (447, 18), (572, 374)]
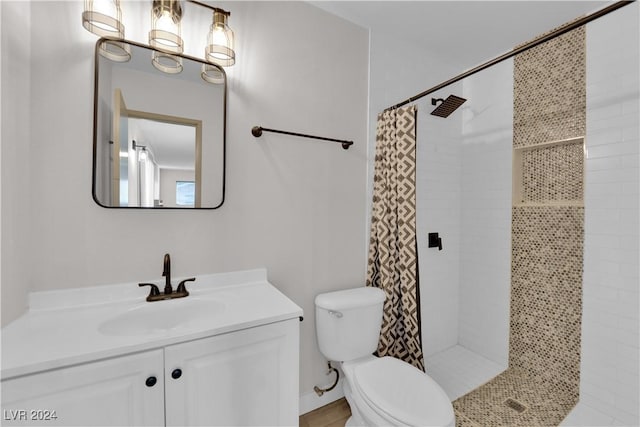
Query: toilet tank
[(348, 322)]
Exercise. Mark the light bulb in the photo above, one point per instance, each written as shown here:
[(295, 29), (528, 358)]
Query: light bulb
[(220, 41), (103, 18), (165, 31), (165, 23)]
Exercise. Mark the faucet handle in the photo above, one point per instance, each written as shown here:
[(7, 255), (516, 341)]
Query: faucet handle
[(154, 289), (182, 288)]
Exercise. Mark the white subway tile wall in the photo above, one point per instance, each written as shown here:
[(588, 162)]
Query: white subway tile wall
[(485, 250), (464, 193), (609, 386), (438, 203)]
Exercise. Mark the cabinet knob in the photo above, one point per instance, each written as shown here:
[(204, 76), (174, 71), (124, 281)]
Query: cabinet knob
[(177, 373), (151, 381)]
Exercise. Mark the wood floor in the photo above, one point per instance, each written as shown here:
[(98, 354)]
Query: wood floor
[(334, 414)]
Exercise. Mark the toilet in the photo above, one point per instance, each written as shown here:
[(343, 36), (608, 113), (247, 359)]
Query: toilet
[(381, 391)]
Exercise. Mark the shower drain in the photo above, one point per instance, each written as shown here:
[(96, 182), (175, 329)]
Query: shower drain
[(515, 405)]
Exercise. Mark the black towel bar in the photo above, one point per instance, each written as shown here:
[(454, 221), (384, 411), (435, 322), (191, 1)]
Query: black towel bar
[(257, 132)]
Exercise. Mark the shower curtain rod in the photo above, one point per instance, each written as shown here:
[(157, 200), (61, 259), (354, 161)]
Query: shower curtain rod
[(514, 52)]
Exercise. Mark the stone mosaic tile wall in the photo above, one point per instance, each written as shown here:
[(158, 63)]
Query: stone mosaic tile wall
[(542, 380), (547, 241), (546, 293), (553, 173), (550, 94)]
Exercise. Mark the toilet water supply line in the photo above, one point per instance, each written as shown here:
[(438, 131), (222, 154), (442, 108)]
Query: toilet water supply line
[(320, 391)]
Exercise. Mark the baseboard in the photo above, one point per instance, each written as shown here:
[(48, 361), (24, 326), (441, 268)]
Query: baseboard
[(310, 401)]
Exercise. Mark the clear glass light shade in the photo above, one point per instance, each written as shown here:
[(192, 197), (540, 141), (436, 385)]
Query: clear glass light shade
[(166, 62), (212, 74), (166, 32), (115, 50), (103, 18), (220, 41)]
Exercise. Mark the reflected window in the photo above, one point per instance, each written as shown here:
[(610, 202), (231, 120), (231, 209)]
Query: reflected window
[(185, 193)]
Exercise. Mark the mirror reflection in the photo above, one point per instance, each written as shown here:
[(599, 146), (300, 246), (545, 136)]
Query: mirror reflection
[(158, 137)]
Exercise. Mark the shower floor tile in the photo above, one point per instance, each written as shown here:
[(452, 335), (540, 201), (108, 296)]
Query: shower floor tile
[(533, 402), (458, 370)]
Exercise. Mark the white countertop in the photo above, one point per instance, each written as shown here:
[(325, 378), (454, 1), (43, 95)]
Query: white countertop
[(63, 328)]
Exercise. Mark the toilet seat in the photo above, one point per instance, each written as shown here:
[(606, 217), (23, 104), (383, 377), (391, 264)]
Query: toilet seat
[(402, 394)]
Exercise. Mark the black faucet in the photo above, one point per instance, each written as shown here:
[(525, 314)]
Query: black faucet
[(166, 273), (181, 291)]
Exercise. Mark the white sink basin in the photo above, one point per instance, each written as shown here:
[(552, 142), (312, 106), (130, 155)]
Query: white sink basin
[(161, 316)]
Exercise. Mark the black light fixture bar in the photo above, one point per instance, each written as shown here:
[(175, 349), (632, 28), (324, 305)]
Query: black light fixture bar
[(257, 132), (560, 31), (215, 9)]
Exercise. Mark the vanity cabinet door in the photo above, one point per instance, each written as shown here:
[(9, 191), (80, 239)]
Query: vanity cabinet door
[(243, 378), (112, 392)]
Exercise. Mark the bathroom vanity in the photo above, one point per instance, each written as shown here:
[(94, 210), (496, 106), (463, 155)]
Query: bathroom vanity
[(225, 355)]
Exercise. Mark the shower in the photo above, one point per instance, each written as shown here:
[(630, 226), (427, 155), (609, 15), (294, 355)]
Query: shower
[(447, 106)]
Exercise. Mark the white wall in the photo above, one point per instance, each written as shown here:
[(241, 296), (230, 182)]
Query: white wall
[(16, 161), (1, 84), (610, 361), (485, 214), (294, 206)]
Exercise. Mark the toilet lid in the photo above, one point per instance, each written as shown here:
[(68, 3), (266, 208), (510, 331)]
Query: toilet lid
[(403, 393)]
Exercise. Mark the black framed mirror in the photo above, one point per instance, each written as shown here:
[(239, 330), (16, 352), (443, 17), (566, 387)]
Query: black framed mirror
[(159, 132)]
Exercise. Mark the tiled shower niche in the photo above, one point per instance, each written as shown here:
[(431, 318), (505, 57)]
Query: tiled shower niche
[(549, 173)]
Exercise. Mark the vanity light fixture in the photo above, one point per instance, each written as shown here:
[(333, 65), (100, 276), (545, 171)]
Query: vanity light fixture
[(212, 74), (166, 62), (220, 40), (104, 18), (141, 150), (166, 23), (115, 50), (165, 35)]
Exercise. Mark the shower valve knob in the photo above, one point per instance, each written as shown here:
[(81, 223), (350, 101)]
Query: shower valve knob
[(435, 241)]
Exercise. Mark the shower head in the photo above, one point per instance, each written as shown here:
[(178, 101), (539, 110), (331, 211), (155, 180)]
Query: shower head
[(447, 106)]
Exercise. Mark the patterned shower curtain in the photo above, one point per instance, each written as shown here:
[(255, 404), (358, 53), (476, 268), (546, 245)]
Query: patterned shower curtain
[(393, 253)]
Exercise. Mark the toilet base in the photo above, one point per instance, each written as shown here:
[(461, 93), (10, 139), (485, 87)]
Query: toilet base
[(355, 420), (361, 414)]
